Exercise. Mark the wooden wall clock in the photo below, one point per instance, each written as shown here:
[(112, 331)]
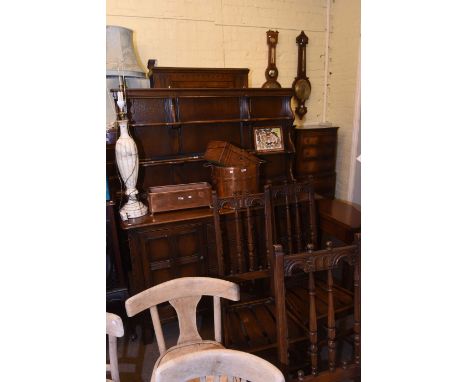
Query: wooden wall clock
[(271, 72), (301, 85)]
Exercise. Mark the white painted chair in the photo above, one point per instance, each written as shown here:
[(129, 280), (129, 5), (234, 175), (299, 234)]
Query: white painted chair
[(184, 294), (114, 329), (218, 365)]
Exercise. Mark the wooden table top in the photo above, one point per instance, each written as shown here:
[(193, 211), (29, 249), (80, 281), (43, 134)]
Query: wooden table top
[(341, 212), (167, 217)]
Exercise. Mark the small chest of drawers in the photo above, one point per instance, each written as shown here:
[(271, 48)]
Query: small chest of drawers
[(316, 155)]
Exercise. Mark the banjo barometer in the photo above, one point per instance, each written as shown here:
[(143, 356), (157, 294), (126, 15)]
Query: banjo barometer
[(271, 72), (301, 85)]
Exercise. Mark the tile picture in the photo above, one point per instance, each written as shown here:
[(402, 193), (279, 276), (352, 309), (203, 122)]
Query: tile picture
[(268, 139)]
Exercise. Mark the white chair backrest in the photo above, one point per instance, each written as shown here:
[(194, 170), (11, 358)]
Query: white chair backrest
[(183, 294), (219, 365), (114, 329)]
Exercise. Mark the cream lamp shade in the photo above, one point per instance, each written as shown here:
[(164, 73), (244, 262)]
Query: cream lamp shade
[(121, 61), (120, 54)]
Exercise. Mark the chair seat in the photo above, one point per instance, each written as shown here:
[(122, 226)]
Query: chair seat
[(182, 349), (252, 325)]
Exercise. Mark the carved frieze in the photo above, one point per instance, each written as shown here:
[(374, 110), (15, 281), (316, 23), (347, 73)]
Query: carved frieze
[(320, 260)]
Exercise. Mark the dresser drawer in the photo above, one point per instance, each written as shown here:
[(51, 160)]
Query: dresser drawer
[(318, 140), (317, 152)]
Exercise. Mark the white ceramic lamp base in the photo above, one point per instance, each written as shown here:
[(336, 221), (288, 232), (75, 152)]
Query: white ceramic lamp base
[(127, 161), (133, 209)]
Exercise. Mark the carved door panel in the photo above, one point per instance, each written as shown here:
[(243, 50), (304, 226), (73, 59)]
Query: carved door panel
[(173, 252)]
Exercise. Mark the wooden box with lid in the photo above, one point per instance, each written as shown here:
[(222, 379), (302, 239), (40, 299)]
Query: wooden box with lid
[(179, 196), (316, 155)]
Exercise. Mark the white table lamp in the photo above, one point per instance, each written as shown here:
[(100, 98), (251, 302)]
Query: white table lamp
[(126, 154), (121, 60)]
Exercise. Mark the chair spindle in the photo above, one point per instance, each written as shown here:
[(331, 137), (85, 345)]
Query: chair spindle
[(313, 333), (331, 322), (312, 217), (217, 318), (218, 233), (250, 240), (237, 220), (157, 329), (280, 303), (357, 314), (288, 223), (297, 216)]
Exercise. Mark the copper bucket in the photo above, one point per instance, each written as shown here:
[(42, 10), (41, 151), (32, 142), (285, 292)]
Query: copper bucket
[(232, 181)]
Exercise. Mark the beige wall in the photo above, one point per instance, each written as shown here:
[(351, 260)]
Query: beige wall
[(228, 33), (343, 69), (232, 33)]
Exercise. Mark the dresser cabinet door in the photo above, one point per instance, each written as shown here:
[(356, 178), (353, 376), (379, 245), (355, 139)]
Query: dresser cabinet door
[(170, 253)]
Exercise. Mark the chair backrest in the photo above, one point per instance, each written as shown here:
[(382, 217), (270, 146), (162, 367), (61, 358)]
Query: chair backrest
[(247, 226), (183, 294), (293, 215), (218, 363), (240, 233), (114, 329), (312, 262)]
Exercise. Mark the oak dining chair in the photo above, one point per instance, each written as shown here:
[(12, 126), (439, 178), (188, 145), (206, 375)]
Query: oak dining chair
[(321, 298), (184, 295), (220, 365), (241, 237), (246, 227), (114, 329)]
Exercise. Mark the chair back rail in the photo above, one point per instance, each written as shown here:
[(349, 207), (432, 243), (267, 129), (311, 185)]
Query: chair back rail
[(240, 223), (183, 294), (283, 214), (218, 365), (312, 262), (294, 215)]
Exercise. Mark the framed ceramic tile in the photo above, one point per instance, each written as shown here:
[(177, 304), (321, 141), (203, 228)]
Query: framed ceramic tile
[(268, 139)]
